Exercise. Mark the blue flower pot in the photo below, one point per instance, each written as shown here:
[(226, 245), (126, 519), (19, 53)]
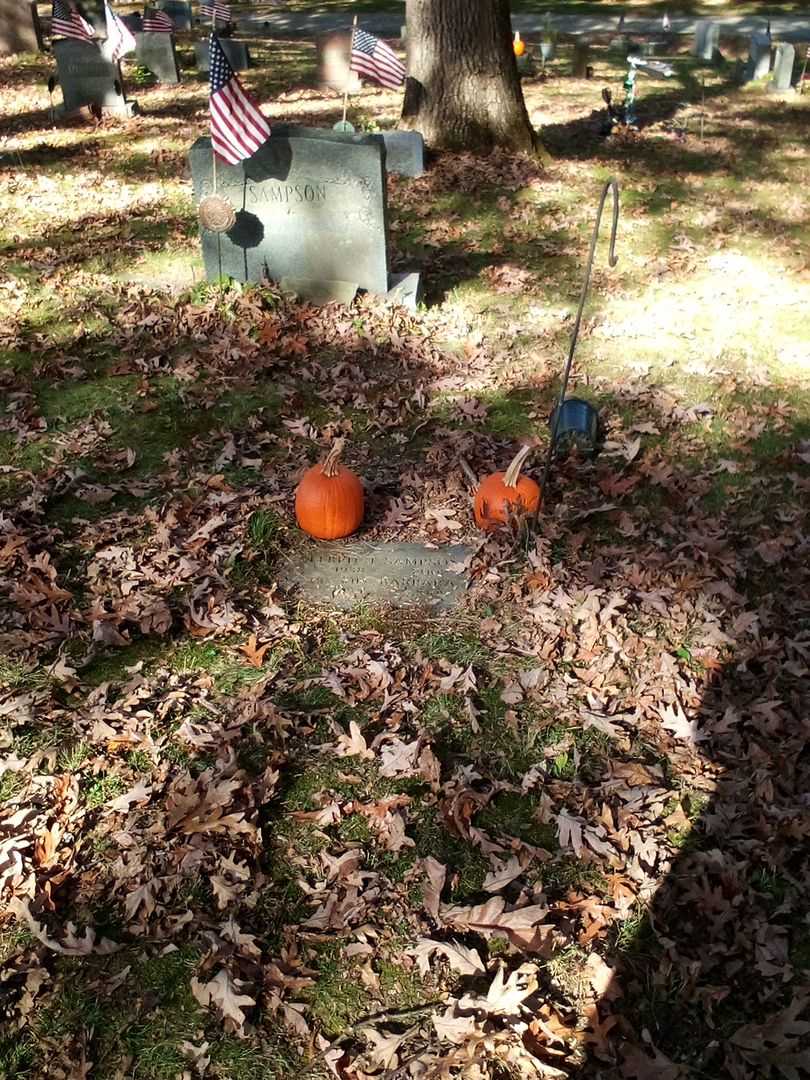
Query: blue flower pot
[(578, 427)]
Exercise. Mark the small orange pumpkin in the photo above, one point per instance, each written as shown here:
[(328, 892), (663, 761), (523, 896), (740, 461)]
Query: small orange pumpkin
[(519, 45), (503, 493), (329, 500)]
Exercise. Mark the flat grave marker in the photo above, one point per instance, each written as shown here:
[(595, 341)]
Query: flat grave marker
[(345, 575)]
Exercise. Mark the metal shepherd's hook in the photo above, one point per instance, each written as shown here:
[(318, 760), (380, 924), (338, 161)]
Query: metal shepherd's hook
[(613, 258)]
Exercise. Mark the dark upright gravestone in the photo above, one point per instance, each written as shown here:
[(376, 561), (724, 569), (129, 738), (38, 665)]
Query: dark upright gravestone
[(707, 40), (783, 63), (759, 57), (133, 21), (19, 27), (236, 52), (582, 58), (404, 152), (179, 11), (88, 77), (93, 12), (156, 51), (311, 212)]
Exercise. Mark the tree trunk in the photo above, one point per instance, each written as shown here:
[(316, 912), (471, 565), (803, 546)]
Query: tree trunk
[(463, 90)]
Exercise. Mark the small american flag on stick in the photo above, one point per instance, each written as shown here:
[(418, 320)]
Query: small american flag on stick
[(156, 22), (375, 59), (216, 10), (238, 128), (68, 23), (119, 37)]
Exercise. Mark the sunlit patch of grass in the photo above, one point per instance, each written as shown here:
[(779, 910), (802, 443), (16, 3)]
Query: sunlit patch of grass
[(228, 672), (101, 789), (338, 997)]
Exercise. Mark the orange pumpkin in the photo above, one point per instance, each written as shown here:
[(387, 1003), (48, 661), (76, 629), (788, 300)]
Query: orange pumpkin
[(519, 45), (504, 493), (329, 501)]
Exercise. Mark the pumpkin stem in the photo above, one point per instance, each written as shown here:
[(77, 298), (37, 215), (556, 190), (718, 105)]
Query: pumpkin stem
[(512, 474), (330, 462)]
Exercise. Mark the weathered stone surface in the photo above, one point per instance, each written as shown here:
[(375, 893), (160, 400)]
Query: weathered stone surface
[(93, 12), (404, 152), (759, 57), (707, 39), (19, 27), (237, 54), (156, 51), (179, 11), (346, 574), (406, 289), (582, 59), (88, 77), (311, 205), (783, 68)]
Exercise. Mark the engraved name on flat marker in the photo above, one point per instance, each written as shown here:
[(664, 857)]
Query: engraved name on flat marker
[(347, 574)]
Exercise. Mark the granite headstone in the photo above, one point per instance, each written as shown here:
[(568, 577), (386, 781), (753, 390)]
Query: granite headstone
[(404, 152), (236, 53), (133, 21), (88, 77), (759, 57), (310, 206), (93, 12), (156, 51), (358, 572), (707, 39), (783, 63), (19, 27), (582, 58), (179, 11)]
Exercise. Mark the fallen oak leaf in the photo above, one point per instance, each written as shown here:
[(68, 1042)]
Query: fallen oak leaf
[(223, 992), (254, 652), (462, 959)]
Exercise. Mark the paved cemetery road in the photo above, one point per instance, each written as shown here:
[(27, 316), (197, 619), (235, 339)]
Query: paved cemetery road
[(291, 23)]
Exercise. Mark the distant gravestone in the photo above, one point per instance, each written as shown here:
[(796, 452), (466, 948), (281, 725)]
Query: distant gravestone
[(179, 11), (88, 77), (133, 21), (582, 58), (93, 12), (310, 205), (547, 51), (156, 51), (344, 575), (19, 27), (333, 55), (707, 40), (759, 57), (784, 60), (236, 52), (404, 152)]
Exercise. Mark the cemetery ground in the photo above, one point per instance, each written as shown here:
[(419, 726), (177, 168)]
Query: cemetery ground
[(558, 831)]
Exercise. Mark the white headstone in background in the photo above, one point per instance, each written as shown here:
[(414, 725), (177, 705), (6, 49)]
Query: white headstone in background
[(707, 39)]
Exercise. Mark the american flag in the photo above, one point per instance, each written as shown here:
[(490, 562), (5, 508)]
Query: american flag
[(65, 22), (374, 58), (216, 10), (238, 128), (119, 37), (156, 22)]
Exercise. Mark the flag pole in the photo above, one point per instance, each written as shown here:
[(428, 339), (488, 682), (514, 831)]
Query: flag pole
[(210, 41), (349, 75)]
